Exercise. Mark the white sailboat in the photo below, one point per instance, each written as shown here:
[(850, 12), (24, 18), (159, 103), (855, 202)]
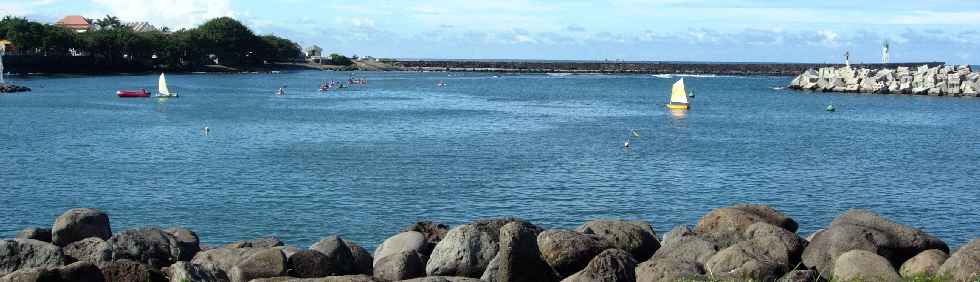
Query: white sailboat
[(678, 97), (164, 91)]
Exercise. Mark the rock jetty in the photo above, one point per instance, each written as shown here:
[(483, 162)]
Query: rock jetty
[(10, 88), (922, 80), (737, 243)]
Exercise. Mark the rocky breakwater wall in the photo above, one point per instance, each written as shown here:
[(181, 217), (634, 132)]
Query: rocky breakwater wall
[(922, 80), (10, 88), (738, 243)]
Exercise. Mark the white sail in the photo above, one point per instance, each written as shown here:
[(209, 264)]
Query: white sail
[(678, 95), (163, 91)]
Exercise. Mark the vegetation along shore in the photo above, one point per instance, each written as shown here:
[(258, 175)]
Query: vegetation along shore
[(738, 243)]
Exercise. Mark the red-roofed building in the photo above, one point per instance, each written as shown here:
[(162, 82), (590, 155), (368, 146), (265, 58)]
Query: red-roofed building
[(76, 23)]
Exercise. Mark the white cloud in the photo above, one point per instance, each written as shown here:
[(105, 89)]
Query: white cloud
[(357, 22), (170, 13), (22, 7), (828, 37)]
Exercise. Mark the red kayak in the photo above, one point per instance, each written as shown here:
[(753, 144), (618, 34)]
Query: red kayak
[(133, 93)]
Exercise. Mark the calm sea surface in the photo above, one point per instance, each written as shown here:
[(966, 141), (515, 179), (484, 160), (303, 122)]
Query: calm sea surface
[(366, 161)]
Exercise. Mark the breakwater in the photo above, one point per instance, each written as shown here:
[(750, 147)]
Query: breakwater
[(10, 88), (774, 69), (933, 80), (742, 242)]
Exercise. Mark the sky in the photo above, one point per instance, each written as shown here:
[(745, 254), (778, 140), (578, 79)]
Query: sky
[(653, 30)]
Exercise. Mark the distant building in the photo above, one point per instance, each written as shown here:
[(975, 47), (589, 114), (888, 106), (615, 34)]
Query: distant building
[(76, 23), (141, 27), (313, 54)]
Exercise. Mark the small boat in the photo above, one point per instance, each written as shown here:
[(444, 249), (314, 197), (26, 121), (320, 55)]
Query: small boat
[(142, 93), (626, 144), (163, 91), (830, 108), (324, 88), (678, 98), (690, 94), (441, 84), (281, 92)]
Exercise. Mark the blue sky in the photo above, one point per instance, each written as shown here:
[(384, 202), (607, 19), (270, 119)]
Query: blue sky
[(686, 30)]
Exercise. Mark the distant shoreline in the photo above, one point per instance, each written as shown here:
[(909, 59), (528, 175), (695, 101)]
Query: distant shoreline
[(516, 66), (626, 67)]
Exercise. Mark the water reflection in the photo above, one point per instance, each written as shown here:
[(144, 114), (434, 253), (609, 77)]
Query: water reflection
[(679, 118)]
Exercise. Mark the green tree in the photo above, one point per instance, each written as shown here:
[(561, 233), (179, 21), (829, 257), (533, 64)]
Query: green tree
[(109, 22), (231, 41), (339, 60), (280, 49)]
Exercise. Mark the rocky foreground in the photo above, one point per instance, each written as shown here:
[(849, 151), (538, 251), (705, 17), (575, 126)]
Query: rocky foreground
[(10, 88), (739, 243), (924, 80)]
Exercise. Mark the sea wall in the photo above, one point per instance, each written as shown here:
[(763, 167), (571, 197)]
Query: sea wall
[(10, 88), (919, 80), (737, 243), (774, 69)]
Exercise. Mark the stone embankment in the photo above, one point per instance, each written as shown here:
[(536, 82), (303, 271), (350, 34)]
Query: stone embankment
[(10, 88), (621, 67), (739, 243), (922, 80)]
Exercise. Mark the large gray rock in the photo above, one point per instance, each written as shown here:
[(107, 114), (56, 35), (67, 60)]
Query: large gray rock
[(78, 224), (312, 264), (187, 241), (338, 254), (401, 242), (266, 242), (635, 237), (81, 271), (26, 253), (35, 233), (688, 249), (363, 261), (861, 265), (148, 245), (131, 271), (801, 276), (759, 259), (568, 252), (399, 266), (964, 264), (443, 279), (224, 259), (865, 230), (345, 278), (183, 271), (676, 233), (91, 249), (32, 275), (519, 258), (925, 263), (668, 270), (266, 263), (613, 265), (467, 249), (433, 232), (740, 217), (775, 235)]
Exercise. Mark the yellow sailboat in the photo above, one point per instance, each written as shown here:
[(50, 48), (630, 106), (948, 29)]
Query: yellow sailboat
[(678, 97)]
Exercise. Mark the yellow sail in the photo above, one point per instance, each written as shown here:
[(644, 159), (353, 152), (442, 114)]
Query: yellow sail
[(678, 97)]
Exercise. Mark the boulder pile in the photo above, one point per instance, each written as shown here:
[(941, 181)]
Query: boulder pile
[(923, 80), (10, 88), (737, 243)]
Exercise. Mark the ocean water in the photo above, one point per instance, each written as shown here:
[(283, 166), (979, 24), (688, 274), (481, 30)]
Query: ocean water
[(367, 161)]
